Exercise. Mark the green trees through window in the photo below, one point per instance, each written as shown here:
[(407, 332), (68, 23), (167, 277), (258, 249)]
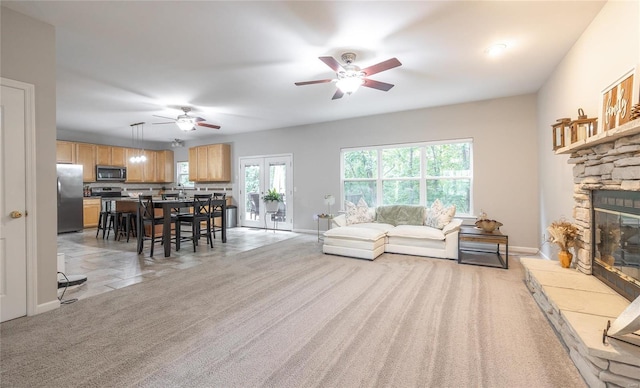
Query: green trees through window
[(414, 174)]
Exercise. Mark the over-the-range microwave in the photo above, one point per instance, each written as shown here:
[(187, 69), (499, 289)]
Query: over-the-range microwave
[(111, 173)]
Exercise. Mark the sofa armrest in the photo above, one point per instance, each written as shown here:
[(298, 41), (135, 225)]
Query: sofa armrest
[(338, 221), (452, 226)]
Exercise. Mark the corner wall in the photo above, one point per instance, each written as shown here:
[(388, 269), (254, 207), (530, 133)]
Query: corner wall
[(608, 48), (28, 55)]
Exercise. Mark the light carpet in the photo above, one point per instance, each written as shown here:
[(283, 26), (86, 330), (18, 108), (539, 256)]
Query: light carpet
[(286, 315)]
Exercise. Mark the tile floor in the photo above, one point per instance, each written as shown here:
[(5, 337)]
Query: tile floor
[(110, 264)]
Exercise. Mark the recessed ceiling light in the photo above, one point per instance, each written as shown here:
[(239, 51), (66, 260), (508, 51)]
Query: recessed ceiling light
[(496, 49)]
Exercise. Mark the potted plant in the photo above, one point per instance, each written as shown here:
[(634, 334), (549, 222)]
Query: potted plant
[(565, 235), (271, 200)]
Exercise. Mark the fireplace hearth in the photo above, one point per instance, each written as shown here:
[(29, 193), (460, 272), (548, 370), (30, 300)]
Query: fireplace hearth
[(616, 240)]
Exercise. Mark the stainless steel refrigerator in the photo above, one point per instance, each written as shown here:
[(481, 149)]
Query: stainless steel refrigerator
[(70, 193)]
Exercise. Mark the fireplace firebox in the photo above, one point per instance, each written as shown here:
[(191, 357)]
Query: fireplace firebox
[(616, 240)]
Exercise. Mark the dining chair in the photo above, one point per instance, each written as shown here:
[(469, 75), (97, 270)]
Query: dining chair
[(148, 222), (201, 213), (216, 212)]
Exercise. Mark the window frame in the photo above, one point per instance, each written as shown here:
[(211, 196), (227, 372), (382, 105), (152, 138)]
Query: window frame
[(423, 177), (189, 184)]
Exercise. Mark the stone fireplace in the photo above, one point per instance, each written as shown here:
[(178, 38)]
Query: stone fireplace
[(606, 175)]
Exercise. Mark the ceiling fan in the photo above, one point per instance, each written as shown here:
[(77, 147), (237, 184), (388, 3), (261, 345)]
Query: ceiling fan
[(186, 122), (350, 76)]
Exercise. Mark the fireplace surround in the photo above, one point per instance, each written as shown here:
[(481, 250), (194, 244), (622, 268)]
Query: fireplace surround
[(609, 164)]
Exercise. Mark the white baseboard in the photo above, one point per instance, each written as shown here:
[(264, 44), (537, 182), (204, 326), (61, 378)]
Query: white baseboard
[(44, 307)]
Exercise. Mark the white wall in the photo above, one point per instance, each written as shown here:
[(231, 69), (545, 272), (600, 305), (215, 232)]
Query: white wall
[(607, 49), (28, 55), (505, 165)]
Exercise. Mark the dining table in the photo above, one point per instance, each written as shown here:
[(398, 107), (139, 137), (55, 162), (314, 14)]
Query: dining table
[(167, 205)]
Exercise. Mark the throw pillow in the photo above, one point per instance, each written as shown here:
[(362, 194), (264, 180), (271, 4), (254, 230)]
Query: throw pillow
[(357, 214), (438, 216), (400, 215)]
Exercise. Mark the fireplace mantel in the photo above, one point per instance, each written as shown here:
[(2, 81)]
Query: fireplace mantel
[(628, 129)]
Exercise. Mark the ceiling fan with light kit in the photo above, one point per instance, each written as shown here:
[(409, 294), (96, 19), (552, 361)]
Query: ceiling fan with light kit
[(350, 77), (186, 122)]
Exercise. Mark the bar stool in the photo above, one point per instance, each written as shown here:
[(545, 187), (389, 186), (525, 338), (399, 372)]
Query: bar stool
[(126, 225), (106, 221)]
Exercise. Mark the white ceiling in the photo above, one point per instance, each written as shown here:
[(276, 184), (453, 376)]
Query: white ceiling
[(235, 62)]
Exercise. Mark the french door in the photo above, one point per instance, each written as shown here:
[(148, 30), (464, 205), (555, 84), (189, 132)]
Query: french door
[(257, 176)]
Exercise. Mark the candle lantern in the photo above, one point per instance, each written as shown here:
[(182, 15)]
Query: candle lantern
[(583, 127), (561, 127)]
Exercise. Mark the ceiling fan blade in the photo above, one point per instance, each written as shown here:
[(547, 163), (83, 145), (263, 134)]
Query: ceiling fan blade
[(208, 125), (382, 66), (168, 122), (377, 85), (332, 63), (198, 119), (339, 94), (320, 81), (163, 117)]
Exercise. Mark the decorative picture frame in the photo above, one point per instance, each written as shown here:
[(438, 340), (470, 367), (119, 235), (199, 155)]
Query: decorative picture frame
[(618, 98)]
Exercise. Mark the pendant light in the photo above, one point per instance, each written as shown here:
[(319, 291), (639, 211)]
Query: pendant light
[(137, 142)]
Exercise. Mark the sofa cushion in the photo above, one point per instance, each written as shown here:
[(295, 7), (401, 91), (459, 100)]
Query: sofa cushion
[(400, 215), (415, 231), (355, 233), (359, 213), (438, 215), (374, 225)]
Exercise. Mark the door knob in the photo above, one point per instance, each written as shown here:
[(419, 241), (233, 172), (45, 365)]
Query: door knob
[(15, 214)]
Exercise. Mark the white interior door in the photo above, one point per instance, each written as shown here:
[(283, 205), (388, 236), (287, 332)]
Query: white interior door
[(13, 240), (258, 175)]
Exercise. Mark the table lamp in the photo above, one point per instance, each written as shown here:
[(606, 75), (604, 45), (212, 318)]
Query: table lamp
[(329, 200)]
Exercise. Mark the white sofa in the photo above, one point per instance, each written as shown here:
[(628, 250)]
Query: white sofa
[(368, 240)]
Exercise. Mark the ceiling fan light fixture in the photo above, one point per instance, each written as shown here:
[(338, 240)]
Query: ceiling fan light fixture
[(349, 81), (185, 124)]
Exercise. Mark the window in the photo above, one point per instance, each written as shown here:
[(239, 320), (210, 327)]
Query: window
[(411, 174), (182, 169)]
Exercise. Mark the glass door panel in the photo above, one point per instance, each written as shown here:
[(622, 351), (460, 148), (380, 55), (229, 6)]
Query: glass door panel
[(258, 176), (252, 172)]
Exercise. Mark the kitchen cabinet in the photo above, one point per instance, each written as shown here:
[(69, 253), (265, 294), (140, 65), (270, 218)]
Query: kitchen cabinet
[(118, 156), (193, 164), (86, 156), (210, 163), (149, 167), (158, 168), (110, 156), (91, 212), (164, 166), (65, 152), (103, 155), (134, 170)]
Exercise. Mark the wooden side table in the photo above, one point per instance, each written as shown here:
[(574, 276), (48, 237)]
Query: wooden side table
[(479, 255)]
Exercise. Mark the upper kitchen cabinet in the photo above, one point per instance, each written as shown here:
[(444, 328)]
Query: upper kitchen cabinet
[(65, 152), (110, 156), (86, 156), (157, 168), (210, 163), (118, 156), (164, 166), (103, 155), (134, 170), (219, 162)]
